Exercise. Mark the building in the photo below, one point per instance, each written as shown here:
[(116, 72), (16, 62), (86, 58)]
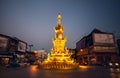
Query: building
[(118, 46), (72, 53), (40, 55), (11, 49), (31, 57), (96, 48)]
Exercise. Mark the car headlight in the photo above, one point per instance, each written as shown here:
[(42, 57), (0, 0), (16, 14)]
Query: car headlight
[(117, 64), (110, 64)]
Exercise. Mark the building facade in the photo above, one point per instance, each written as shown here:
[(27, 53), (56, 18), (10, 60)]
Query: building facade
[(41, 55), (118, 46), (72, 53), (11, 49), (96, 48)]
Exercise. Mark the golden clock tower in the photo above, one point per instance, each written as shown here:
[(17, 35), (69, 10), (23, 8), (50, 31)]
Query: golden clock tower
[(59, 40), (59, 57)]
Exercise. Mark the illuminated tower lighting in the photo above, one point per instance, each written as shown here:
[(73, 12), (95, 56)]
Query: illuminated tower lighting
[(59, 57)]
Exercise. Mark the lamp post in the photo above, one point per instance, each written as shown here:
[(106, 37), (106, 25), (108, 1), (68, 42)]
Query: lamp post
[(31, 45)]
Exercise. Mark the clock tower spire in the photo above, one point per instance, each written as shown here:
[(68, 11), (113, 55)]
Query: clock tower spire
[(59, 19)]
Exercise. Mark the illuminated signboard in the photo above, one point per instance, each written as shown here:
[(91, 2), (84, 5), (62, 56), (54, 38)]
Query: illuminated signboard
[(22, 46), (103, 38), (3, 43)]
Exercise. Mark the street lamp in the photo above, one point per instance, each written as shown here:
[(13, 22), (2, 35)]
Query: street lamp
[(31, 45)]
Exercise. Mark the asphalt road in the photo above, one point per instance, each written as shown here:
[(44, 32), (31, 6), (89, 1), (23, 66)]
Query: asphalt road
[(84, 72)]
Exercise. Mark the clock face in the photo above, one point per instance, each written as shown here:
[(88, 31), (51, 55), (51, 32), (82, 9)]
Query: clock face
[(103, 38), (60, 36)]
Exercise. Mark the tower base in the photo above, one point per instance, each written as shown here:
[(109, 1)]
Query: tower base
[(58, 65)]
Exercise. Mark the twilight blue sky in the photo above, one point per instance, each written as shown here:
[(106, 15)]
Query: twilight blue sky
[(33, 20)]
